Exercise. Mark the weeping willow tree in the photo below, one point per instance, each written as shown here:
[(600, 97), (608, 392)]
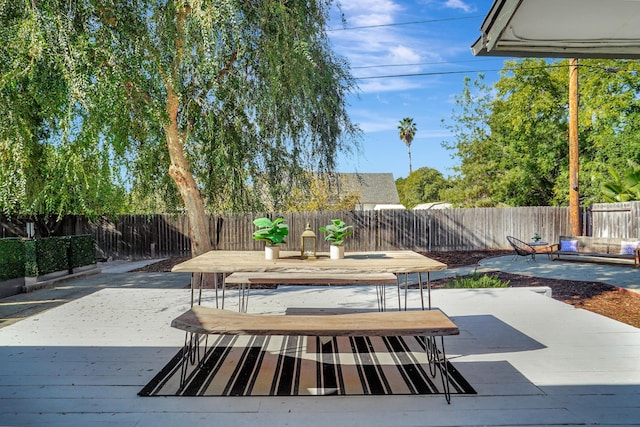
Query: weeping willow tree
[(201, 104), (46, 165)]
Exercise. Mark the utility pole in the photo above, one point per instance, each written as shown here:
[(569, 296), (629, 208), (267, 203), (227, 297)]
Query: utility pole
[(574, 193)]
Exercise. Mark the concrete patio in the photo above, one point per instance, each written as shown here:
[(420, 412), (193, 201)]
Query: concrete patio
[(532, 360)]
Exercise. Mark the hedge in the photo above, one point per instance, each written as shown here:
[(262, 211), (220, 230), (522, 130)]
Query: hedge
[(82, 250), (52, 254), (32, 258), (12, 256)]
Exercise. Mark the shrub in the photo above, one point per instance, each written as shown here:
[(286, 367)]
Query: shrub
[(12, 254), (52, 255), (477, 280), (30, 259), (82, 250)]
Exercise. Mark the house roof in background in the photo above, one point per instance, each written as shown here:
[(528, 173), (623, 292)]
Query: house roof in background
[(433, 205), (561, 28), (373, 188)]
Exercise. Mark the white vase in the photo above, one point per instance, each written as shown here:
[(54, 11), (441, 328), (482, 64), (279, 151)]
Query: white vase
[(336, 252), (271, 252)]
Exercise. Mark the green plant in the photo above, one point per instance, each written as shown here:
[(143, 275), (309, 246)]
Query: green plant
[(536, 237), (336, 232), (52, 254), (476, 280), (30, 258), (12, 258), (272, 232), (82, 250)]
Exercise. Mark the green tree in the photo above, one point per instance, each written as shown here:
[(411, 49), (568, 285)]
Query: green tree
[(423, 185), (623, 188), (44, 169), (473, 145), (407, 130), (233, 99), (512, 138), (324, 193)]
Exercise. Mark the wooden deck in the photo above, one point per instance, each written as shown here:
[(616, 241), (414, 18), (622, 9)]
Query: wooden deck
[(533, 360)]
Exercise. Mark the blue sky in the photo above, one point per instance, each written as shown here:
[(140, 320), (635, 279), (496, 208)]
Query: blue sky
[(398, 41)]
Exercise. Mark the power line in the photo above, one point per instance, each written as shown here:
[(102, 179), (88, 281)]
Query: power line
[(428, 21), (441, 73), (435, 73), (426, 63)]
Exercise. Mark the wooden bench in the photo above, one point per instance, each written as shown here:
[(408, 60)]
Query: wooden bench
[(200, 320), (276, 278), (604, 249), (207, 320), (245, 280)]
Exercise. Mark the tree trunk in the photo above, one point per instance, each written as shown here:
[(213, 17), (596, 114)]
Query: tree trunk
[(410, 168), (180, 171)]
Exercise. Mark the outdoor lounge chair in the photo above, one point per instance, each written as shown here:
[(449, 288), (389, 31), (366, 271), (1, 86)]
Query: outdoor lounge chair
[(521, 248)]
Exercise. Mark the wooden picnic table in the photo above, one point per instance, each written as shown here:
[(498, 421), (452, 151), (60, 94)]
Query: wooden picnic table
[(292, 264), (396, 262), (291, 268)]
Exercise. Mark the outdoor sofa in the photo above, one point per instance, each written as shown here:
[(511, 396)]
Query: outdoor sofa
[(597, 249)]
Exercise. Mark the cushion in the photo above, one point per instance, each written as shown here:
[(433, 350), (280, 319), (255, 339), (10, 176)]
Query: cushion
[(628, 247), (569, 245)]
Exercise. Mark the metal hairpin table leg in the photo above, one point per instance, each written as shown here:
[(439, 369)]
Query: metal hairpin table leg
[(429, 288), (406, 289), (192, 288), (215, 285), (399, 298), (243, 297), (219, 301), (381, 296), (196, 283), (421, 289)]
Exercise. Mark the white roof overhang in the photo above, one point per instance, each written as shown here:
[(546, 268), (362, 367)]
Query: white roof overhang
[(561, 28)]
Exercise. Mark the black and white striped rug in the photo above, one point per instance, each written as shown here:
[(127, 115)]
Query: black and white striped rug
[(298, 366)]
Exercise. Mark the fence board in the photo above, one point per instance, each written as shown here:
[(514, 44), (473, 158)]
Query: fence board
[(163, 235)]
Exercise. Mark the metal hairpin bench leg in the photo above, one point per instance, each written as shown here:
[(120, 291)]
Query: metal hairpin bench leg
[(192, 354), (438, 360)]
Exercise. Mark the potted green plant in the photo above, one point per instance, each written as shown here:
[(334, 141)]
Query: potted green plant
[(536, 237), (272, 233), (336, 232)]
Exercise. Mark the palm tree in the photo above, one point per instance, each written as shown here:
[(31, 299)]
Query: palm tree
[(407, 131)]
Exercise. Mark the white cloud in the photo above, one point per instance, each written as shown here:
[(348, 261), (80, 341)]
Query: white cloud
[(403, 55), (385, 7), (387, 85), (386, 45), (459, 4)]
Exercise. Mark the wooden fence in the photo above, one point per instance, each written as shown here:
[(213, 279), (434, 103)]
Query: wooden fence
[(150, 236), (616, 219)]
